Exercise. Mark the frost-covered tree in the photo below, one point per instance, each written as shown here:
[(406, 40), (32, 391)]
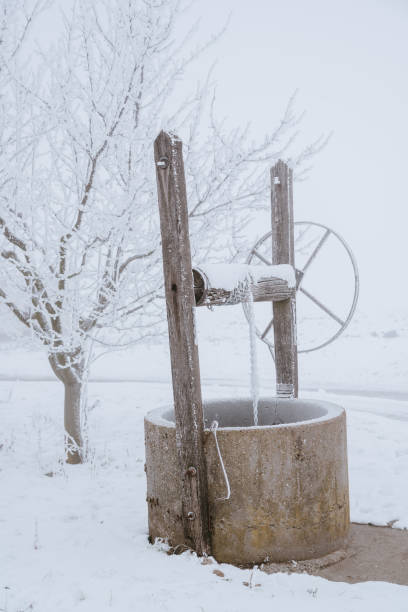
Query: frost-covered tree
[(80, 240)]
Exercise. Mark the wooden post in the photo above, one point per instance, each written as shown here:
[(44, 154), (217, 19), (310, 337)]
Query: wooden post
[(178, 282), (283, 252)]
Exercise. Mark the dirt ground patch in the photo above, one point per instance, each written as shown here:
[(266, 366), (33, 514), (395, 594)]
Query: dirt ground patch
[(372, 553)]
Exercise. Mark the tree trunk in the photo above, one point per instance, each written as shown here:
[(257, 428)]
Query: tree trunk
[(72, 377), (72, 422)]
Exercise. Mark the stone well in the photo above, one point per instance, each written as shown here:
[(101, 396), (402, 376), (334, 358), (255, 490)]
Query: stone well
[(288, 479)]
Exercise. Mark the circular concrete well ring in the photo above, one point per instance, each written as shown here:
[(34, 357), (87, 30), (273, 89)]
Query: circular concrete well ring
[(288, 478)]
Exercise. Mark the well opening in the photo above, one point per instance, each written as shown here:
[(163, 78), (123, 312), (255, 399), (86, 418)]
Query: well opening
[(238, 413)]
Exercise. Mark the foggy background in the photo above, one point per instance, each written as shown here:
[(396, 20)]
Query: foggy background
[(348, 61)]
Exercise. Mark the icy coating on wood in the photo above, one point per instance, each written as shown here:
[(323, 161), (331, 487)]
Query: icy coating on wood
[(228, 284), (230, 276)]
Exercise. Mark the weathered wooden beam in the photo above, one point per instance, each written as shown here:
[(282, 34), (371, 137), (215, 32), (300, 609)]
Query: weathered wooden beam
[(283, 252), (228, 284), (180, 301)]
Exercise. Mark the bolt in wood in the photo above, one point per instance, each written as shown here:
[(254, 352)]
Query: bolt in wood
[(163, 162)]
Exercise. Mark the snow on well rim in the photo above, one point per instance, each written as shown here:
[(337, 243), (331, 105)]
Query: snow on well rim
[(300, 412)]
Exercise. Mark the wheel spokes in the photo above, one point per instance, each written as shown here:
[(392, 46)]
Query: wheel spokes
[(265, 335), (322, 306), (261, 257), (317, 249), (267, 328)]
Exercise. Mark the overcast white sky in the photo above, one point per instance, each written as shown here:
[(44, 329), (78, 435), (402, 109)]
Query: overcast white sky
[(348, 59)]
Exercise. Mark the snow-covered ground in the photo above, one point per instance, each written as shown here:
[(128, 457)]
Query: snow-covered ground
[(75, 537)]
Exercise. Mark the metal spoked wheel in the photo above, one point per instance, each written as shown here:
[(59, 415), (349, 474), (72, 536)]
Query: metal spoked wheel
[(310, 238)]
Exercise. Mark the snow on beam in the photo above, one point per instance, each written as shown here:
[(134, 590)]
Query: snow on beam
[(217, 284)]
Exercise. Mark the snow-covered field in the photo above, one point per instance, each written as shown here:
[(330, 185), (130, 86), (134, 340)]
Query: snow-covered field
[(370, 356), (75, 537)]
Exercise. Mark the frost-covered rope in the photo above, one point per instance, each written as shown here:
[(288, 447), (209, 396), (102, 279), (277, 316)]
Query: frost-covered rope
[(213, 428), (253, 356)]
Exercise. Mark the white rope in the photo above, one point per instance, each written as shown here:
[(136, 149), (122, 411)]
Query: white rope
[(253, 358), (213, 428)]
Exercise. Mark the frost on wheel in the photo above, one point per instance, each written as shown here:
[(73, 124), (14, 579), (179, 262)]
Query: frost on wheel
[(327, 284)]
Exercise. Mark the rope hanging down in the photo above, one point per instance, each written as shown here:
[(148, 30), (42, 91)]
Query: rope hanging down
[(213, 428)]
